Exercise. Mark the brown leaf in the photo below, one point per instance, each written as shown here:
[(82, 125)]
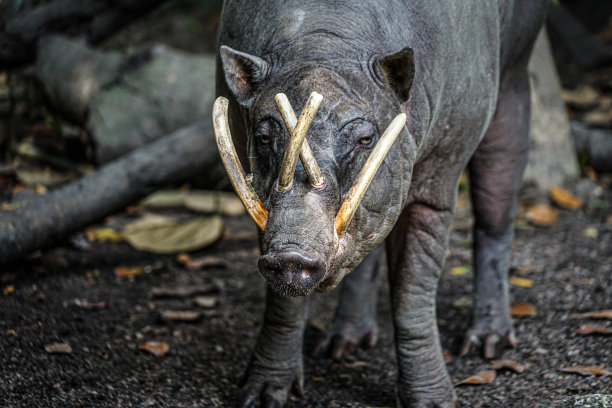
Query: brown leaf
[(565, 199), (586, 370), (522, 309), (522, 282), (509, 364), (524, 270), (200, 263), (590, 328), (599, 314), (483, 377), (446, 355), (183, 291), (124, 271), (164, 235), (541, 214), (58, 348), (180, 315), (157, 348)]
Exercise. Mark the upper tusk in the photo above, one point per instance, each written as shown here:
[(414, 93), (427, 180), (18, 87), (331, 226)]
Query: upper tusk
[(298, 135), (234, 169), (357, 191), (308, 160)]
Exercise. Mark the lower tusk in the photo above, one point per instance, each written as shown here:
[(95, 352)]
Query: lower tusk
[(234, 169), (308, 160), (298, 135), (357, 191)]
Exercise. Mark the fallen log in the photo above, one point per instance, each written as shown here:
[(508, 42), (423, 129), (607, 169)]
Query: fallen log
[(43, 220), (91, 20)]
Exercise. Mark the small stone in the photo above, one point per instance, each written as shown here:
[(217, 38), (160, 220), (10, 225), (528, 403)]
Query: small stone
[(588, 401)]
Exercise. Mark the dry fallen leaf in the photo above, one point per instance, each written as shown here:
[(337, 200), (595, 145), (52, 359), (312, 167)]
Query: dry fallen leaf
[(180, 315), (125, 271), (591, 232), (483, 377), (459, 270), (160, 234), (103, 234), (583, 98), (356, 364), (58, 348), (542, 214), (599, 314), (448, 358), (586, 370), (590, 328), (157, 348), (209, 202), (86, 304), (205, 301), (200, 263), (509, 364), (524, 270), (522, 282), (463, 301), (565, 199), (522, 309)]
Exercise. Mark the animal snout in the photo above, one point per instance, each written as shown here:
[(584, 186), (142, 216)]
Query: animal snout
[(291, 273)]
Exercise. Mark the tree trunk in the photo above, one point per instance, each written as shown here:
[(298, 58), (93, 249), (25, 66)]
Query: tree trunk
[(93, 20), (552, 159), (42, 220)]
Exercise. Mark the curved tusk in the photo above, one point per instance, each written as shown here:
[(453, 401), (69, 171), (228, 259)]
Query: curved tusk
[(285, 180), (234, 169), (357, 191), (308, 160)]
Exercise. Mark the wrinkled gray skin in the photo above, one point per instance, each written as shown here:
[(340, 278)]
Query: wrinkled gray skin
[(458, 70)]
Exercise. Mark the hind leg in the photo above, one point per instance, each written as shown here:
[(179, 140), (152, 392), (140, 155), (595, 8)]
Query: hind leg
[(355, 319), (496, 169)]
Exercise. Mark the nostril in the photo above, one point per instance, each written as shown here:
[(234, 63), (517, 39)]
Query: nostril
[(291, 267)]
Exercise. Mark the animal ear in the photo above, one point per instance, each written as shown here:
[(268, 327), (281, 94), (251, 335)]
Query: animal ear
[(396, 69), (243, 72)]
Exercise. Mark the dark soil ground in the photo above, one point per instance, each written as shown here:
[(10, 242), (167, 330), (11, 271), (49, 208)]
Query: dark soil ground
[(572, 274)]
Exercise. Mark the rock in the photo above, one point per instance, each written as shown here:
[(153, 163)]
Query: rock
[(595, 143), (552, 160), (588, 401)]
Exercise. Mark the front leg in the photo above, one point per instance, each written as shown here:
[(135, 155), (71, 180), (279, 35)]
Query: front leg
[(276, 364), (355, 319), (416, 250)]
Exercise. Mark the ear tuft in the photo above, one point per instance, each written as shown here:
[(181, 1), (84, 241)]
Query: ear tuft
[(396, 69), (243, 72)]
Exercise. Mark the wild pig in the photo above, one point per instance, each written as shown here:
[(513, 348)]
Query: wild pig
[(457, 70)]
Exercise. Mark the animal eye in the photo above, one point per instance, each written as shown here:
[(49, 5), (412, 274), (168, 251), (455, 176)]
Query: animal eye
[(364, 141), (265, 139)]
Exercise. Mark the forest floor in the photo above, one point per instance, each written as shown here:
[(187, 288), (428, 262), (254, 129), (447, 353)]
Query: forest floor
[(75, 297)]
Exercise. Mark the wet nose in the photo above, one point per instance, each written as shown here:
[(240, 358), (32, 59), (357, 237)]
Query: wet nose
[(299, 271)]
